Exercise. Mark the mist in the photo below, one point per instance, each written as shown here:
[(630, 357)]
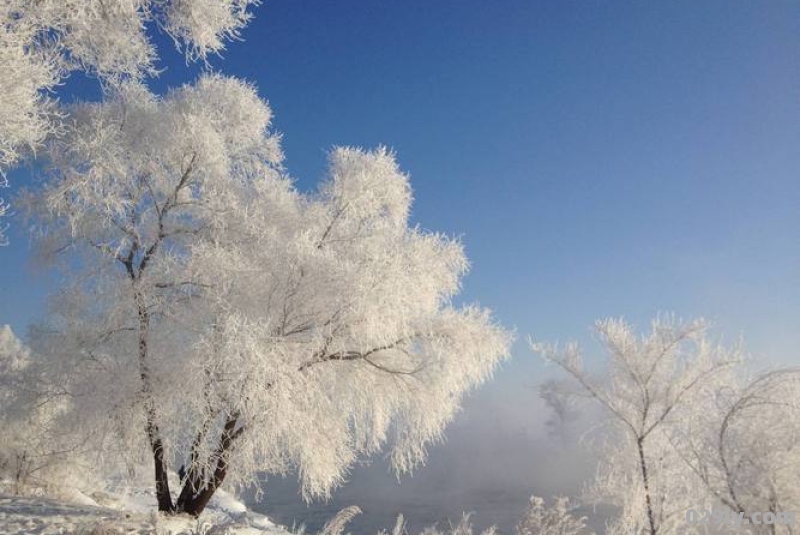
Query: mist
[(496, 454)]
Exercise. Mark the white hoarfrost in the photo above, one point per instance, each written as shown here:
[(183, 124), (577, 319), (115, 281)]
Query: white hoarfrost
[(224, 322), (743, 446), (13, 353), (654, 383), (556, 520), (42, 41)]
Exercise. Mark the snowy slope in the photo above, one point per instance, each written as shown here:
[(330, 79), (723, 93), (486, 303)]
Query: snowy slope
[(128, 514)]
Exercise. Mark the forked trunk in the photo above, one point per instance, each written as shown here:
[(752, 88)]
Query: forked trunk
[(198, 501), (198, 488)]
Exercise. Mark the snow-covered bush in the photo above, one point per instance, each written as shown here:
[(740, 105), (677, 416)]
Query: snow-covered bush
[(462, 527), (556, 520), (338, 524)]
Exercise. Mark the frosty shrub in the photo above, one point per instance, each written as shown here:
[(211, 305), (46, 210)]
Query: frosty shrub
[(556, 520), (462, 527), (337, 524)]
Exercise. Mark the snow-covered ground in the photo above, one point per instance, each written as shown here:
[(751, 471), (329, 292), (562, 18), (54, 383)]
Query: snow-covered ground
[(130, 513)]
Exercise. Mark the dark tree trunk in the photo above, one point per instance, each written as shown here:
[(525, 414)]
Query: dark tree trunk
[(199, 488), (199, 500), (163, 495), (646, 480)]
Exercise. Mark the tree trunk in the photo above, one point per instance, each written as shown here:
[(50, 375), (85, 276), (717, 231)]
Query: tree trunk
[(163, 495), (199, 500), (198, 489), (645, 480)]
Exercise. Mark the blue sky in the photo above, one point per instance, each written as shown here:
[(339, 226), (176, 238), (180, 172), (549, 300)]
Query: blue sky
[(598, 158)]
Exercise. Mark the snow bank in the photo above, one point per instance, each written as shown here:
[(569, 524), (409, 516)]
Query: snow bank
[(131, 513)]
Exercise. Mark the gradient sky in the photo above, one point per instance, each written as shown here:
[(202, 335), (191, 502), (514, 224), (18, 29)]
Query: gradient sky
[(598, 158)]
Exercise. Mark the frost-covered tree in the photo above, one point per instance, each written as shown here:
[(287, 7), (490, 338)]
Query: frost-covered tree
[(652, 382), (135, 182), (28, 453), (228, 323), (14, 359), (560, 400), (744, 447)]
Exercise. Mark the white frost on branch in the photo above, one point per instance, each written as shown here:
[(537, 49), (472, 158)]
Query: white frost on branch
[(42, 41), (4, 210), (653, 384), (743, 447), (558, 519)]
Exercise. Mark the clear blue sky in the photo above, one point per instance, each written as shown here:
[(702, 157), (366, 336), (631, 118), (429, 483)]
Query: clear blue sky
[(598, 158)]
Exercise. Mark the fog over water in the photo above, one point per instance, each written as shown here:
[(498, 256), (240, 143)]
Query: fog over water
[(497, 453)]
